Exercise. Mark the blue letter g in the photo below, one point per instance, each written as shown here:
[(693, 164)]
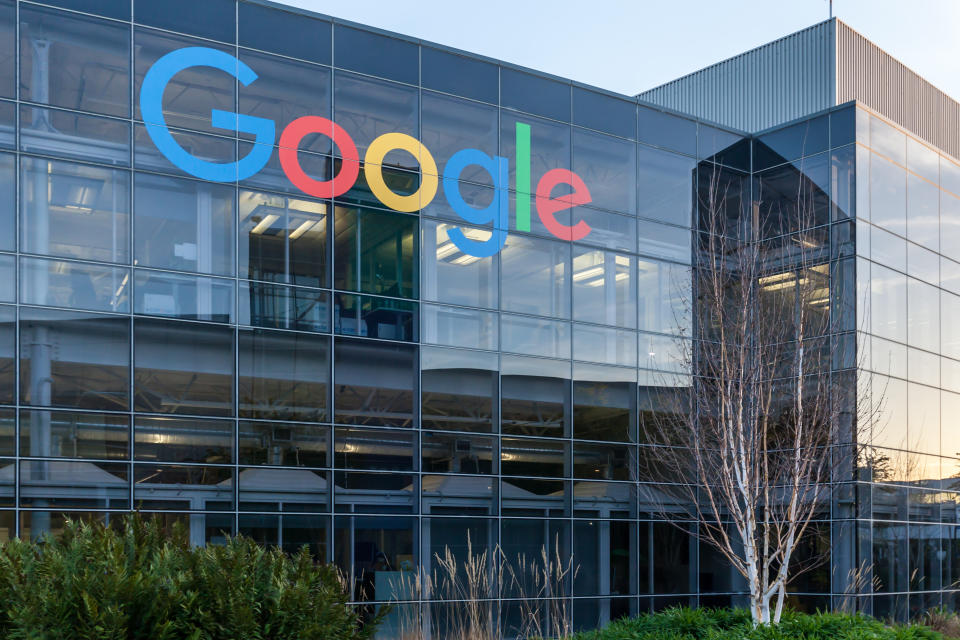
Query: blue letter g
[(151, 107)]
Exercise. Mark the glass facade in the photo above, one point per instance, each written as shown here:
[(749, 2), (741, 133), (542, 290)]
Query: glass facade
[(245, 357)]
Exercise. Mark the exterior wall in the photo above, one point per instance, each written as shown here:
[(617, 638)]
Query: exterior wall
[(773, 84)]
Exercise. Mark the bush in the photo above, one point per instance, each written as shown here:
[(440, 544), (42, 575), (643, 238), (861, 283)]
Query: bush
[(137, 582), (727, 624)]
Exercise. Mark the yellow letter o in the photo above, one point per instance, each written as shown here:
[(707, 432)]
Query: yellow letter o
[(372, 169)]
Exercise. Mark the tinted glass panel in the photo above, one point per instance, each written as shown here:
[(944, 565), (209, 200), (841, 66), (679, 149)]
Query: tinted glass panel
[(71, 135), (375, 54), (604, 404), (459, 75), (380, 449), (664, 130), (375, 252), (283, 376), (535, 396), (604, 113), (280, 307), (609, 168), (303, 37), (367, 108), (59, 283), (119, 9), (67, 434), (183, 440), (8, 49), (450, 125), (284, 444), (374, 383), (888, 195), (604, 288), (455, 277), (665, 190), (458, 389), (88, 369), (802, 139), (84, 61), (183, 367), (534, 94), (549, 147), (535, 276), (214, 19), (183, 296), (8, 354), (8, 195)]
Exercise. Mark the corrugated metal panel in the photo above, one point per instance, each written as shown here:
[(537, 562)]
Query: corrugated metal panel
[(870, 75), (778, 82)]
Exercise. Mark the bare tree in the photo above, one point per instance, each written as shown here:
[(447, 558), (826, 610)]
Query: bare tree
[(749, 445)]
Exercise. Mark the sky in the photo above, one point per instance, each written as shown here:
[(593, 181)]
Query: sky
[(628, 46)]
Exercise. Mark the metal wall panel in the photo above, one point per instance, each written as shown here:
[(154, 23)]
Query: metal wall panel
[(772, 84), (870, 75)]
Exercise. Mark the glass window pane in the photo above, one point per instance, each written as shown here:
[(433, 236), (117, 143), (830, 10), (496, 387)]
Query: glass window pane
[(604, 288), (376, 54), (75, 484), (535, 396), (664, 353), (888, 140), (287, 490), (66, 134), (375, 317), (375, 252), (8, 354), (534, 94), (74, 61), (284, 444), (455, 277), (193, 93), (89, 368), (665, 186), (67, 434), (458, 389), (610, 230), (362, 492), (888, 195), (378, 449), (665, 130), (304, 37), (366, 546), (923, 212), (664, 241), (888, 302), (183, 440), (367, 108), (8, 49), (535, 276), (949, 312), (950, 225), (844, 187), (664, 297), (8, 194), (281, 307), (74, 210), (455, 327), (535, 336), (283, 239), (923, 315), (604, 344), (923, 264), (374, 383), (609, 168), (888, 249), (789, 143), (457, 453), (605, 113), (182, 488), (450, 125), (187, 297), (214, 19), (183, 224), (183, 367), (284, 91), (59, 283), (604, 403), (283, 376), (460, 75)]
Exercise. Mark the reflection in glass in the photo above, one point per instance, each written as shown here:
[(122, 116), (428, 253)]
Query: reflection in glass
[(664, 297), (188, 297), (368, 108), (375, 317), (535, 396), (374, 383), (183, 367), (455, 327), (451, 276), (288, 532), (888, 195), (89, 367), (375, 252), (183, 224), (605, 345), (534, 336), (609, 166), (283, 375), (183, 440), (363, 492), (281, 307), (535, 276), (458, 453), (604, 403), (183, 488), (378, 449), (603, 287), (287, 490), (59, 283), (74, 484), (458, 389), (665, 189), (67, 434), (74, 211)]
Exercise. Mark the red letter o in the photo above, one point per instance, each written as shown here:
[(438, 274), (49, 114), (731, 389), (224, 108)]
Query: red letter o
[(290, 147)]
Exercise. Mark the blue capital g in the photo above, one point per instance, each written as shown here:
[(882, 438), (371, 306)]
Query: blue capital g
[(151, 107)]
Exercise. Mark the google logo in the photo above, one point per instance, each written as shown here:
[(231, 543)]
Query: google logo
[(497, 212)]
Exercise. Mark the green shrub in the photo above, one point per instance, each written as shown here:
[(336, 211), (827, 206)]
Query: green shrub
[(137, 582), (735, 624)]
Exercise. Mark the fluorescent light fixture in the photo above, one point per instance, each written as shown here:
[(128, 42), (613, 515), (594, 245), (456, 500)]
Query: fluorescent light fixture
[(302, 229), (264, 224)]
